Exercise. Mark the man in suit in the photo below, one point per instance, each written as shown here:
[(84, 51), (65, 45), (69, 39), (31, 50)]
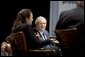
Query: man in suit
[(74, 18), (43, 35)]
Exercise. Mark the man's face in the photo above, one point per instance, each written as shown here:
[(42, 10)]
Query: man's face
[(41, 25)]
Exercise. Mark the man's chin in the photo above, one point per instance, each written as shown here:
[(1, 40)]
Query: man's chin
[(42, 29)]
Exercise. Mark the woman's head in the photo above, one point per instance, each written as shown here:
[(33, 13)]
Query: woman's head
[(25, 16)]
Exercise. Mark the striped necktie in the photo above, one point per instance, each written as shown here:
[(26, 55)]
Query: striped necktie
[(44, 36)]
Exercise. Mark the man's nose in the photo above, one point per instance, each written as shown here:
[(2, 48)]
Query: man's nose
[(42, 24)]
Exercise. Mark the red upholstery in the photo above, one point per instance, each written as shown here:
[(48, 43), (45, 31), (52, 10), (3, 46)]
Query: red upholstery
[(17, 38), (67, 37)]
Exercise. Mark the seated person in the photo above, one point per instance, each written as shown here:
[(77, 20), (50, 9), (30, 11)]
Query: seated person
[(40, 31), (23, 23), (42, 34), (73, 18)]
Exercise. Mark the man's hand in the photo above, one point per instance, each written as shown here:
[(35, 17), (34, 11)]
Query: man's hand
[(54, 40)]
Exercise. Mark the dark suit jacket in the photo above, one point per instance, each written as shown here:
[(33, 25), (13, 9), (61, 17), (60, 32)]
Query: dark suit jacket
[(31, 40), (73, 18), (44, 42)]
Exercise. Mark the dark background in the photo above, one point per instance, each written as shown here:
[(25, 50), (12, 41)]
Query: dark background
[(9, 10)]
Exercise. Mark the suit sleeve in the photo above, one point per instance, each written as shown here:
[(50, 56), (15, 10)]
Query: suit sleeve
[(58, 25)]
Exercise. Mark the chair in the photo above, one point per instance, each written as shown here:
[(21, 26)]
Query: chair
[(42, 52), (18, 39), (67, 37)]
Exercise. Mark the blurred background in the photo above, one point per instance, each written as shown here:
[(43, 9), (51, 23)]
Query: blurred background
[(49, 9)]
